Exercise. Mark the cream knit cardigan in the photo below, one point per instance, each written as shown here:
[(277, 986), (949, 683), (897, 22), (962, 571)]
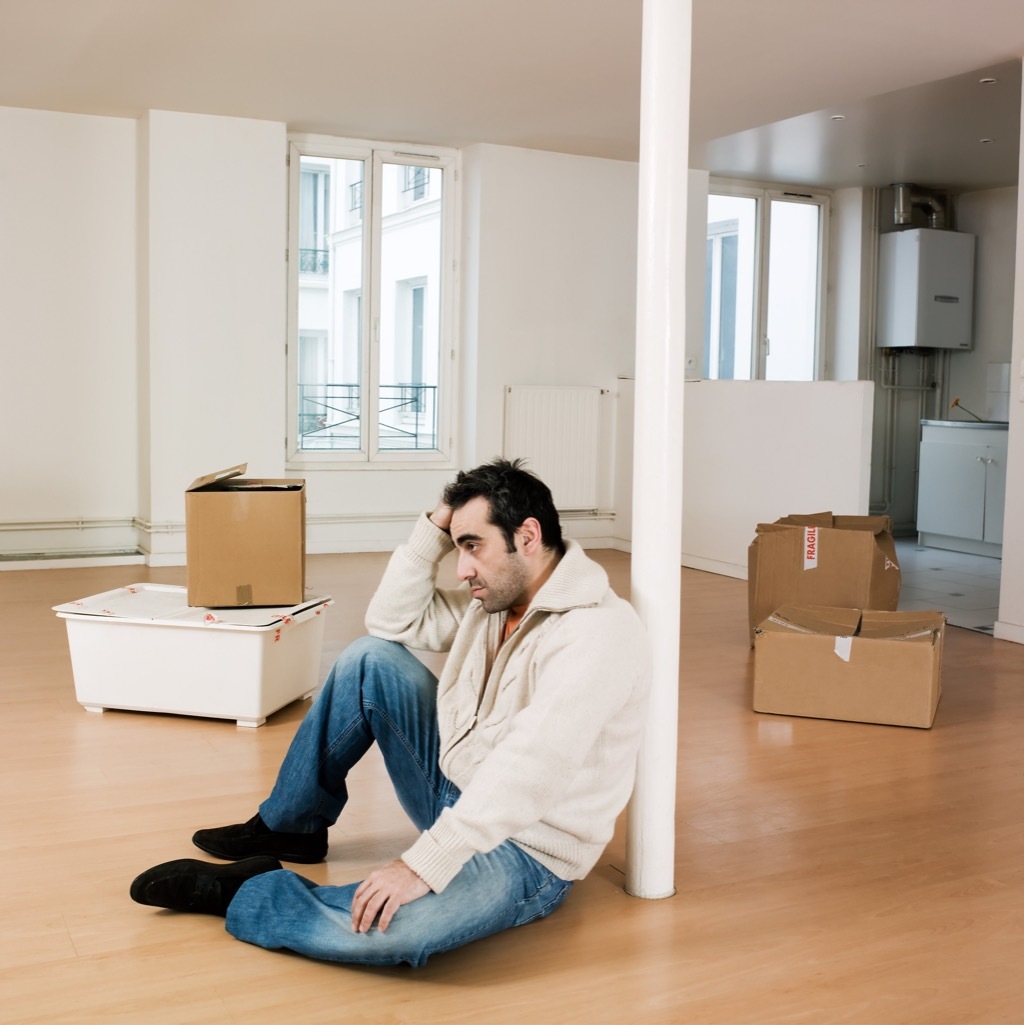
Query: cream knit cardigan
[(539, 734)]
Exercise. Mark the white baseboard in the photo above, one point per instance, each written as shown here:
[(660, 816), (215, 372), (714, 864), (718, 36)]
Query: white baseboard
[(1008, 632), (722, 569), (72, 562)]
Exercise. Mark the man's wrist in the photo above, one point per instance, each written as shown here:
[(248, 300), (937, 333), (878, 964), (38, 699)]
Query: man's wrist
[(441, 517), (430, 516)]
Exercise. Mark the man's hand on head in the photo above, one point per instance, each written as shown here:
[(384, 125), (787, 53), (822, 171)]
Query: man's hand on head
[(382, 893), (441, 517)]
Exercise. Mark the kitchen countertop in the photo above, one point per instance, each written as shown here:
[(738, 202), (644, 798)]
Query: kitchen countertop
[(988, 425)]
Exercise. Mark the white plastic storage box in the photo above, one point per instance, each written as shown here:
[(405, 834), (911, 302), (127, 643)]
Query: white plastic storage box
[(143, 648)]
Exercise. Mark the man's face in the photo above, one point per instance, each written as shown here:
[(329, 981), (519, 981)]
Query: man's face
[(498, 578)]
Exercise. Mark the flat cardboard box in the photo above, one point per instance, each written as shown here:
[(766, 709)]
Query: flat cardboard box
[(245, 540), (142, 648), (822, 559), (852, 664)]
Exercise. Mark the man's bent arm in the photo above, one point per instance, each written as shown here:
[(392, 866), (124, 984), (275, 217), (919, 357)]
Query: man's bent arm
[(408, 607)]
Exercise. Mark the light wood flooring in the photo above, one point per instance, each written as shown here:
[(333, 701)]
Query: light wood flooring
[(827, 872)]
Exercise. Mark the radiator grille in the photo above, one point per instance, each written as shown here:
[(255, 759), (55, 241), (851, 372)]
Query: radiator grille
[(557, 431)]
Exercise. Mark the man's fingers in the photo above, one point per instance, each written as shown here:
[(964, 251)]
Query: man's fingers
[(382, 893), (363, 916), (387, 913), (365, 907)]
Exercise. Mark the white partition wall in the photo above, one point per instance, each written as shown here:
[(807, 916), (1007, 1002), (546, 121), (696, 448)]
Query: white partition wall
[(212, 309), (812, 454)]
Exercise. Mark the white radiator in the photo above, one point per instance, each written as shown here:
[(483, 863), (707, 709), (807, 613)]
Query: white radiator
[(557, 431)]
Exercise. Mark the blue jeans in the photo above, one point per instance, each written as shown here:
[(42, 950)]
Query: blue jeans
[(378, 691)]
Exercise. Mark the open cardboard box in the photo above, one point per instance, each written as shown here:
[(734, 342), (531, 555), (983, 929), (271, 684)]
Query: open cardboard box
[(858, 665), (245, 540), (821, 559)]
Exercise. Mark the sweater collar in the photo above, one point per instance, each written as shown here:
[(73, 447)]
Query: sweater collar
[(575, 582)]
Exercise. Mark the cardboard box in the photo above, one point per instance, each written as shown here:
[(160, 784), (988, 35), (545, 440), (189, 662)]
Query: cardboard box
[(144, 649), (862, 666), (245, 540), (821, 559)]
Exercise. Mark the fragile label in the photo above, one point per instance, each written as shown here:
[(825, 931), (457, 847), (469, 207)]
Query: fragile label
[(810, 547)]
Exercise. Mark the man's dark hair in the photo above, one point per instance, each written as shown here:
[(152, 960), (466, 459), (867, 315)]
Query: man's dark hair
[(515, 494)]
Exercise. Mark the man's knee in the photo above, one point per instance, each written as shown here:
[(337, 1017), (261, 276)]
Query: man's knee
[(372, 663), (369, 647)]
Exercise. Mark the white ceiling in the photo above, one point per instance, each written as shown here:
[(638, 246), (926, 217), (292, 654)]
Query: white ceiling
[(556, 74)]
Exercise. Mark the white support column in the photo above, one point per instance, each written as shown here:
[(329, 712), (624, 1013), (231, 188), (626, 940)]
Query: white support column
[(658, 444)]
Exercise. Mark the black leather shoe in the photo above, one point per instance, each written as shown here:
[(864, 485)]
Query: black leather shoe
[(256, 837), (197, 886)]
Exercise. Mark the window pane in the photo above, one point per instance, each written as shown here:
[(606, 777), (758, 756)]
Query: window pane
[(410, 309), (729, 287), (330, 309), (792, 291)]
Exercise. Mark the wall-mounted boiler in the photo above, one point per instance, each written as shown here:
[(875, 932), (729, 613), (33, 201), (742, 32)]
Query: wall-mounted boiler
[(925, 289)]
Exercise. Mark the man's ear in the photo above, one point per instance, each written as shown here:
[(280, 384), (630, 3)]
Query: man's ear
[(530, 535)]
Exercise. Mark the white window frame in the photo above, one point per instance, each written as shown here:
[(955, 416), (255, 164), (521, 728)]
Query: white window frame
[(764, 193), (375, 155)]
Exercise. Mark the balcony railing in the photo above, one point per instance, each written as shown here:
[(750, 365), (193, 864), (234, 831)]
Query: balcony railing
[(330, 417), (314, 261)]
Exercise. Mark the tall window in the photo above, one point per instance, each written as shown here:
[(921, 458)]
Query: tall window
[(371, 339), (764, 283)]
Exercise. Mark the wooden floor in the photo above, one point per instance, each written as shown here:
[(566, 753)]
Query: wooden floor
[(827, 872)]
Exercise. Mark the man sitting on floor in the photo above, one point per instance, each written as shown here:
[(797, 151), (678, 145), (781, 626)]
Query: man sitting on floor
[(514, 766)]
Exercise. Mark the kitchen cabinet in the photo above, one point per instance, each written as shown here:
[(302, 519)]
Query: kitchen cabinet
[(962, 486)]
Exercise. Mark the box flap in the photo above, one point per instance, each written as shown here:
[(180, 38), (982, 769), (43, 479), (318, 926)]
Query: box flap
[(901, 625), (822, 519), (874, 524), (841, 622), (813, 619), (210, 478), (819, 519)]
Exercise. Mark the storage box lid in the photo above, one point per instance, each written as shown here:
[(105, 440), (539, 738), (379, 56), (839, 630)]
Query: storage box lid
[(211, 478), (166, 604)]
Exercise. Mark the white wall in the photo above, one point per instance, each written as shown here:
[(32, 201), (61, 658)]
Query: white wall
[(142, 288), (212, 308), (67, 317), (992, 217), (852, 242), (757, 450), (552, 296)]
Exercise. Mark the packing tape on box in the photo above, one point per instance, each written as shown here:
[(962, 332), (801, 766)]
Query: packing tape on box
[(843, 646)]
